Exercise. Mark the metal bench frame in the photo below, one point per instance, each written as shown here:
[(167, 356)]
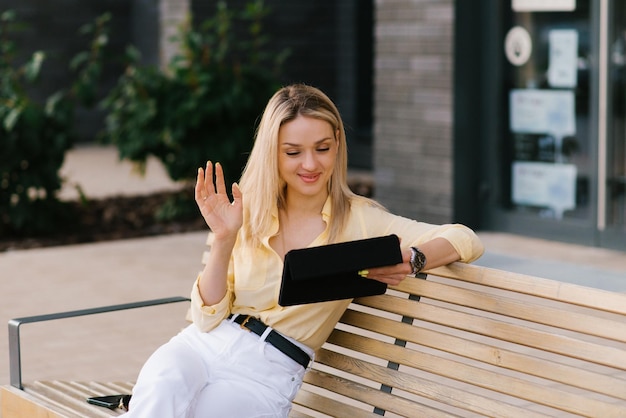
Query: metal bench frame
[(15, 361)]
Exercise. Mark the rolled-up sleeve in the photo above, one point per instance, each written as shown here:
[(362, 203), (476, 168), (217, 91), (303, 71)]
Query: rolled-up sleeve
[(207, 317), (465, 242), (379, 222)]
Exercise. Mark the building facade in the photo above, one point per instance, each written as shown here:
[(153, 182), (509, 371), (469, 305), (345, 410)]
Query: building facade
[(505, 115), (413, 108)]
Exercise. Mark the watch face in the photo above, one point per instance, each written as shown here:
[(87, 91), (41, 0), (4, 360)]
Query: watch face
[(418, 260)]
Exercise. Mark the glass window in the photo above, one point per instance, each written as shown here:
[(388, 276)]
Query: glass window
[(548, 167), (616, 164)]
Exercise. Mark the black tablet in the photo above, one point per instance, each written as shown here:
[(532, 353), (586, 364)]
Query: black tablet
[(330, 272)]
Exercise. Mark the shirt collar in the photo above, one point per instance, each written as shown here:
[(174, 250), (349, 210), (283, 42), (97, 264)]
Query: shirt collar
[(273, 228), (326, 211)]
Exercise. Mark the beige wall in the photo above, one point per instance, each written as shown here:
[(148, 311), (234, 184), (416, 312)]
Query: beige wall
[(413, 107)]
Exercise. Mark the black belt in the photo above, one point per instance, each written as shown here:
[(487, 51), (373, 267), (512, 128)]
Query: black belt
[(281, 343)]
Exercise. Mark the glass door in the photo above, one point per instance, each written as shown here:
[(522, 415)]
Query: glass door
[(547, 145), (541, 106), (613, 224)]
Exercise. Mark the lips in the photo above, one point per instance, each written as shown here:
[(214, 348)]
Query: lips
[(309, 178)]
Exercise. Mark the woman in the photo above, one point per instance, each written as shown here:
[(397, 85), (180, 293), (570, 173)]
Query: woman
[(293, 194)]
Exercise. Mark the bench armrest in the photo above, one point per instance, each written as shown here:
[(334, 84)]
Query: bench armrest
[(15, 366)]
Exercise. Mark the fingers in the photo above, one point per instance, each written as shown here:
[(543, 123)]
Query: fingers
[(388, 279), (392, 275), (205, 185), (209, 189), (219, 179), (199, 185), (237, 195), (396, 270)]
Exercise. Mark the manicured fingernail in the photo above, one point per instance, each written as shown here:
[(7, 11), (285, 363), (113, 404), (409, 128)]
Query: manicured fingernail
[(364, 273)]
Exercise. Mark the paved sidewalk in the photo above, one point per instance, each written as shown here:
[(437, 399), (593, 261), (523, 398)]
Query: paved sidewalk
[(586, 266), (114, 346), (107, 346)]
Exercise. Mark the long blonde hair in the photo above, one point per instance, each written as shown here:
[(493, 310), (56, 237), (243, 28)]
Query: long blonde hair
[(263, 189)]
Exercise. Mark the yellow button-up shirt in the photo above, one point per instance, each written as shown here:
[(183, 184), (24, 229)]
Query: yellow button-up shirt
[(255, 274)]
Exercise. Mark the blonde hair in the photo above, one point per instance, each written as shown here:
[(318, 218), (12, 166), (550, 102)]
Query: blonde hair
[(263, 189)]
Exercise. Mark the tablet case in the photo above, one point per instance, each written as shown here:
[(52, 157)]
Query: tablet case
[(330, 272)]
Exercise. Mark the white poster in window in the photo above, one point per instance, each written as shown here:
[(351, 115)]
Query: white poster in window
[(543, 5), (563, 56), (544, 185), (542, 111)]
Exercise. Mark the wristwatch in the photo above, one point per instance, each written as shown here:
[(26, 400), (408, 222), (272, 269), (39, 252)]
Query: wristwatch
[(417, 261)]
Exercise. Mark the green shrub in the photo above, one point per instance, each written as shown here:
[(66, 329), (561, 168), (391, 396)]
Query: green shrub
[(207, 103), (34, 137)]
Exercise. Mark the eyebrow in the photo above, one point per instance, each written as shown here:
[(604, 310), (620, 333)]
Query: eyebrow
[(289, 144)]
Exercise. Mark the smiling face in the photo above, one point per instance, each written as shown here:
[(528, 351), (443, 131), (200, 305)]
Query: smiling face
[(307, 150)]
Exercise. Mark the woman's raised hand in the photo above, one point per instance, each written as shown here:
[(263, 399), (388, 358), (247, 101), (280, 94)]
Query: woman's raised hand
[(223, 217)]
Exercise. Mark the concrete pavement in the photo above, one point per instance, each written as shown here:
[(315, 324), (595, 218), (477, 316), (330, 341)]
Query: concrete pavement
[(114, 346), (586, 266)]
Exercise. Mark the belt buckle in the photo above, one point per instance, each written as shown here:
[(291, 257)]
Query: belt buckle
[(243, 324)]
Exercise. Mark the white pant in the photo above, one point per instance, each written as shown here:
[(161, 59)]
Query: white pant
[(228, 372)]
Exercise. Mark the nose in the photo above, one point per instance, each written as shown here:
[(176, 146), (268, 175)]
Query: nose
[(309, 161)]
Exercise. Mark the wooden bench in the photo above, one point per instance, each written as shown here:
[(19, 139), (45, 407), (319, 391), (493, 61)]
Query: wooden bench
[(56, 398), (467, 341)]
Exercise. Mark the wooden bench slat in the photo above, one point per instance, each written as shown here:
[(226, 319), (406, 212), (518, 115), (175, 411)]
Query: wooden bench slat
[(537, 286), (424, 387), (565, 345), (108, 388), (326, 405), (62, 405), (509, 385), (373, 396), (48, 399), (558, 344), (18, 403), (489, 354), (73, 397), (297, 413), (88, 389), (525, 310)]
